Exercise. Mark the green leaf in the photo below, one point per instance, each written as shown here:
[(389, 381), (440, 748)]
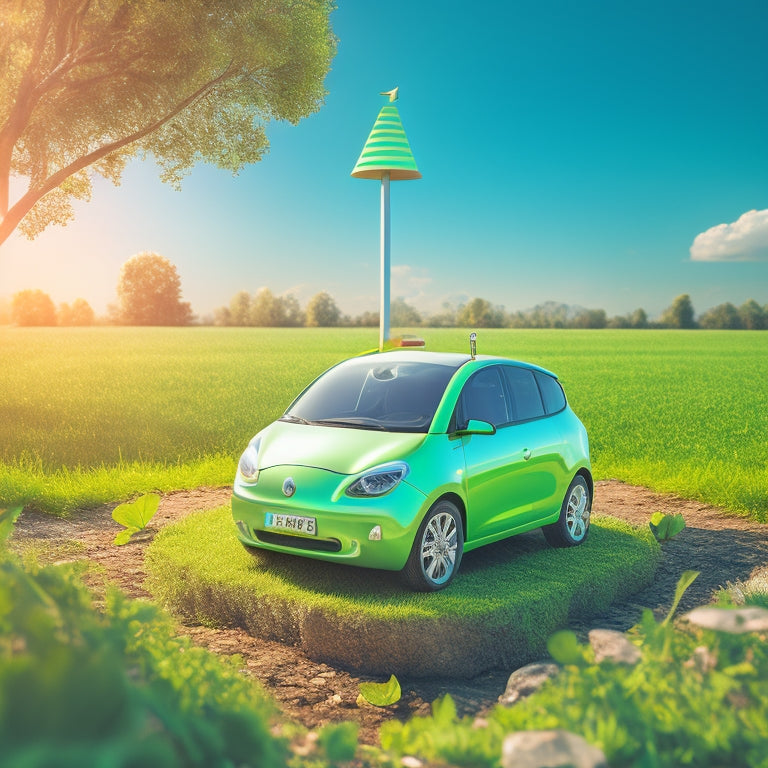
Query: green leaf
[(665, 526), (564, 647), (137, 514), (685, 581), (7, 519), (381, 694), (124, 536)]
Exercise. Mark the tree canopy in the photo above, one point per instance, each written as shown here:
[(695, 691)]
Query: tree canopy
[(149, 291), (322, 310), (86, 86), (33, 307), (680, 313)]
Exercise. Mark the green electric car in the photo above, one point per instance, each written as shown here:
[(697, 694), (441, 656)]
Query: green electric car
[(404, 460)]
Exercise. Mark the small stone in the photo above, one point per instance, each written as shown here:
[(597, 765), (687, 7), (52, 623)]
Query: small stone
[(736, 621), (411, 762), (610, 645), (335, 699), (318, 681), (550, 749), (527, 680)]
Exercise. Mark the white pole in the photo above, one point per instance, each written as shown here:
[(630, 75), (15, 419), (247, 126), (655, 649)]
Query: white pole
[(384, 302)]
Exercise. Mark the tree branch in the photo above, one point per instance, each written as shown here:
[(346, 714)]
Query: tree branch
[(25, 203)]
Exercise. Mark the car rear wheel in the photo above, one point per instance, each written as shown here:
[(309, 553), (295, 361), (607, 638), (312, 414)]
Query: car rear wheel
[(572, 526), (437, 549)]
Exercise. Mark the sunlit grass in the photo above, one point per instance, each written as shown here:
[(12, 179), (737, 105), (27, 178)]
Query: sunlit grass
[(504, 603), (95, 414)]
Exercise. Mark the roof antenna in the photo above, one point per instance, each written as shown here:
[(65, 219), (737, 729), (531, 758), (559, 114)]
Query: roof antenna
[(473, 344)]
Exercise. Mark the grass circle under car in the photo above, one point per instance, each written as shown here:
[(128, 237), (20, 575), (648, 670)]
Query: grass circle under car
[(498, 613)]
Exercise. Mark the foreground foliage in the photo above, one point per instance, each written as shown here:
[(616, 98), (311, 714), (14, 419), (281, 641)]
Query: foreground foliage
[(116, 688), (93, 415), (697, 698), (110, 685)]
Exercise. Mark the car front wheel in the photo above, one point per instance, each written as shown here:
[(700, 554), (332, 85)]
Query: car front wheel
[(437, 549), (572, 526)]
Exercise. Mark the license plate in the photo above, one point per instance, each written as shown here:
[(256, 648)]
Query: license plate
[(293, 523)]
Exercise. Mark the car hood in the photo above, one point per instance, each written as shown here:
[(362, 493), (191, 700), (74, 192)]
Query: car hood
[(337, 449)]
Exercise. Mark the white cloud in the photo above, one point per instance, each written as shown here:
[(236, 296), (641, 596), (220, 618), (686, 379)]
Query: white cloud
[(744, 240)]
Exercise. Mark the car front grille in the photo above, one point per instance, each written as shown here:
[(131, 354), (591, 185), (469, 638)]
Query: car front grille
[(299, 542)]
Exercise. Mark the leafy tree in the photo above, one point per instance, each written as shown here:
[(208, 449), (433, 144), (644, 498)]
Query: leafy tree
[(5, 311), (80, 313), (753, 317), (620, 321), (590, 318), (87, 86), (33, 307), (723, 317), (679, 314), (322, 311), (403, 315), (293, 316), (479, 313), (367, 320), (639, 318), (266, 309), (240, 309), (149, 291)]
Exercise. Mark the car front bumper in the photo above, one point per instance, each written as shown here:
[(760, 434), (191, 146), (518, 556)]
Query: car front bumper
[(345, 526)]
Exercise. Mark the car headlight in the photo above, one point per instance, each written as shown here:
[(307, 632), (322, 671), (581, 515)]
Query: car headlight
[(248, 466), (379, 480)]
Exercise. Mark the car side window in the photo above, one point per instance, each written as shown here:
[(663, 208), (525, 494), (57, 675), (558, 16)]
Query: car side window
[(483, 398), (526, 398), (551, 392)]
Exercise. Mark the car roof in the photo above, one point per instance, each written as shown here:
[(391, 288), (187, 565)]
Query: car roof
[(453, 359)]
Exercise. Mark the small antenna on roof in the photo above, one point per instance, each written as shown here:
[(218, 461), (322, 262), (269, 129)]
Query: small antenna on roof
[(473, 344)]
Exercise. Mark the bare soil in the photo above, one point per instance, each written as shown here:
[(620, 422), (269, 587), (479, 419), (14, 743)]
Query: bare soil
[(724, 548)]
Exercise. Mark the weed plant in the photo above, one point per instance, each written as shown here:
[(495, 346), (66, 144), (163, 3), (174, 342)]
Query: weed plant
[(506, 600)]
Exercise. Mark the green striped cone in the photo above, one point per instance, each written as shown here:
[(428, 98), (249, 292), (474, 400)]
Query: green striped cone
[(387, 150)]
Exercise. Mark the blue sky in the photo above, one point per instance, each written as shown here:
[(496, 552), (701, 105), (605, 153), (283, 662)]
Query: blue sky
[(570, 152)]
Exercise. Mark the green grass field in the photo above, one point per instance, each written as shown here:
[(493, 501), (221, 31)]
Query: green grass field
[(90, 415)]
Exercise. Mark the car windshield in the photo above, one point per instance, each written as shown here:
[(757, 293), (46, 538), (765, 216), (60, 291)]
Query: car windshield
[(369, 393)]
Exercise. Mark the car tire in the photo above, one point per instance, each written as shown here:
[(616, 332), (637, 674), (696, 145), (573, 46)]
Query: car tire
[(572, 526), (437, 549)]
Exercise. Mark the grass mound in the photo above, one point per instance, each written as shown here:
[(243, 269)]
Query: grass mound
[(498, 613)]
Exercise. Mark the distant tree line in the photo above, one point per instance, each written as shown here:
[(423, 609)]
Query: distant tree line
[(149, 293), (267, 310)]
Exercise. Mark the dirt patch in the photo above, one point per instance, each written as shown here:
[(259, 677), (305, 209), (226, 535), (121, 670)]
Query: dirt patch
[(722, 547)]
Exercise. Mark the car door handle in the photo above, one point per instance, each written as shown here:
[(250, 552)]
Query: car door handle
[(527, 454)]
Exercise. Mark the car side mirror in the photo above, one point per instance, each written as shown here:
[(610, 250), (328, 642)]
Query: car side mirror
[(477, 427)]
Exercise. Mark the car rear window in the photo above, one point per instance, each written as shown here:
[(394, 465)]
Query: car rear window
[(551, 392)]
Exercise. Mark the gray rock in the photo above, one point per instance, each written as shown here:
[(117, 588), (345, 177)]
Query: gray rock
[(550, 749), (527, 680), (610, 645), (736, 621)]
